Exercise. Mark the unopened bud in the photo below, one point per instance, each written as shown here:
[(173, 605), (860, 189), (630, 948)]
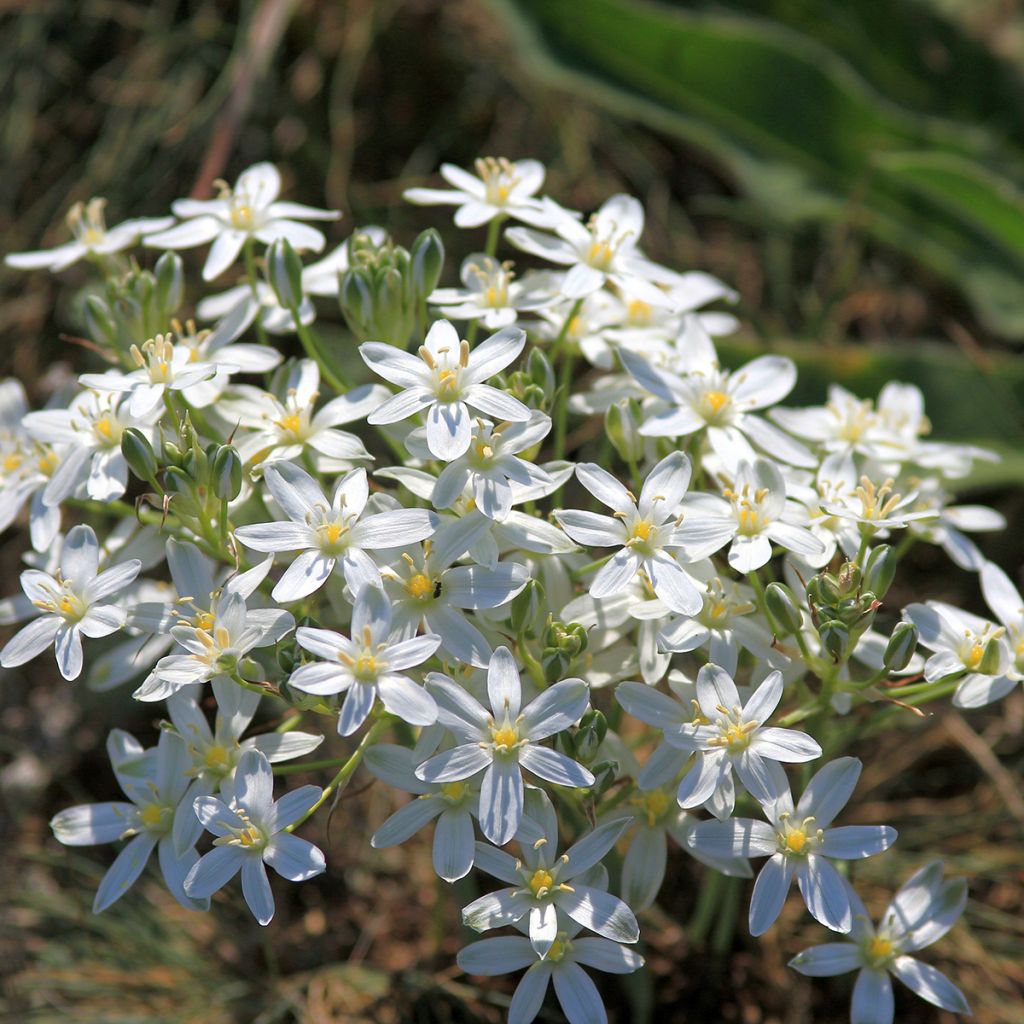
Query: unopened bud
[(138, 453), (604, 775), (826, 589), (880, 570), (901, 646), (835, 639), (99, 322), (526, 609), (170, 283), (356, 300), (538, 367), (427, 257), (622, 424), (849, 578), (590, 735), (284, 272), (783, 611), (227, 473)]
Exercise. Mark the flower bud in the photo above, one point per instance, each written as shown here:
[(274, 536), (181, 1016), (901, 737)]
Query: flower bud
[(356, 300), (783, 611), (879, 570), (538, 367), (563, 643), (99, 321), (138, 453), (527, 607), (849, 578), (590, 735), (825, 589), (901, 646), (227, 473), (835, 639), (170, 283), (427, 256), (604, 775), (284, 272), (622, 424)]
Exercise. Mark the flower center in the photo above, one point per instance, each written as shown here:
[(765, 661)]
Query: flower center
[(155, 816), (652, 804), (499, 177), (62, 600), (733, 732), (366, 668), (712, 403), (541, 882), (506, 737), (216, 757), (420, 586), (798, 839), (249, 837), (453, 792), (638, 312), (559, 948)]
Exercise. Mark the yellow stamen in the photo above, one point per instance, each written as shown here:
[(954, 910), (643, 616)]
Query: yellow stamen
[(420, 586), (540, 881)]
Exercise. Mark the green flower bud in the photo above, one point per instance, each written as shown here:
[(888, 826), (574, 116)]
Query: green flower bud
[(880, 570), (139, 454), (827, 589), (99, 321), (783, 611), (604, 775), (622, 424), (227, 473), (427, 257), (526, 609), (538, 367), (563, 643), (901, 646), (170, 283), (849, 578), (356, 300), (284, 272), (835, 639), (590, 735)]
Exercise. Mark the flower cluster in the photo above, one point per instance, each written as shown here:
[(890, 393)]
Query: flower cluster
[(582, 642)]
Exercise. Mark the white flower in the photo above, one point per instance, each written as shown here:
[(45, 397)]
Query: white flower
[(539, 882), (287, 428), (431, 591), (91, 237), (502, 742), (490, 294), (798, 842), (647, 529), (330, 534), (500, 188), (251, 831), (735, 740), (577, 994), (923, 910), (247, 306), (71, 604), (876, 506), (604, 250), (444, 382), (162, 367), (720, 403), (215, 644), (949, 522), (1005, 601), (247, 211), (964, 643), (88, 436), (489, 468), (367, 666), (155, 782)]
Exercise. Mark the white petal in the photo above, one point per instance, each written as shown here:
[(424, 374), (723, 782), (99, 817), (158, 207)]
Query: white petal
[(294, 858), (872, 999), (769, 894), (501, 801)]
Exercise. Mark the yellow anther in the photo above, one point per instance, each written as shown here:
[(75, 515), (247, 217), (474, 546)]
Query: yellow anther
[(366, 667), (204, 621), (541, 882), (600, 255), (290, 424), (105, 427), (642, 530), (749, 520), (420, 586), (426, 356), (12, 462), (332, 532), (463, 353), (47, 463), (639, 312)]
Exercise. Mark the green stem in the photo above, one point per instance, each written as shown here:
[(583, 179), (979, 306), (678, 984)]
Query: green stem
[(490, 249), (249, 253), (346, 771), (707, 907), (567, 357), (310, 347)]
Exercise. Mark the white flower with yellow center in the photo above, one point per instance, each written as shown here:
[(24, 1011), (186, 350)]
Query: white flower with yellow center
[(331, 535), (251, 831), (1006, 602), (444, 382), (700, 396), (92, 237), (369, 664), (87, 438), (798, 842), (249, 211), (543, 883), (490, 294), (730, 737), (501, 188), (968, 646), (922, 911), (502, 742), (162, 366), (70, 604), (604, 250), (647, 531), (155, 783)]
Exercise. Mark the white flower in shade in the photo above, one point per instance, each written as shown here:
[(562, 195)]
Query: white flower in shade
[(489, 294), (489, 468), (646, 531), (331, 535), (722, 404), (286, 428), (563, 967), (92, 237), (154, 781), (215, 643), (921, 912), (453, 805), (444, 382), (162, 367), (250, 210), (539, 882), (500, 188), (249, 306), (605, 250), (754, 512), (1008, 606), (250, 827), (88, 436), (798, 842), (71, 604), (214, 753), (503, 741), (735, 740), (428, 590), (369, 665), (964, 644)]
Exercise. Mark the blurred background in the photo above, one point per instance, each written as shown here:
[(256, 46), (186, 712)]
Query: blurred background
[(854, 170)]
